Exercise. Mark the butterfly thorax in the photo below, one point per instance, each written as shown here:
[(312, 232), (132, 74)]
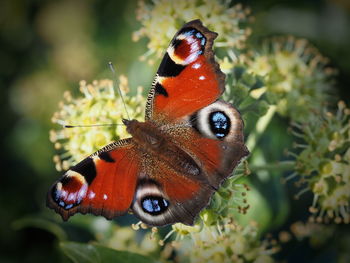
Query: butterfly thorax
[(149, 138)]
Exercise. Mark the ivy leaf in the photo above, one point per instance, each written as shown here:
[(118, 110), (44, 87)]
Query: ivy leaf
[(92, 253)]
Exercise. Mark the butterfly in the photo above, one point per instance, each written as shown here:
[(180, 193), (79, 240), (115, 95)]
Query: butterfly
[(189, 143)]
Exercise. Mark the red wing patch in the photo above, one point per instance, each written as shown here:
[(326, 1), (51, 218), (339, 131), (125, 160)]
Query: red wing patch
[(102, 184), (218, 158), (208, 150), (193, 89), (180, 188)]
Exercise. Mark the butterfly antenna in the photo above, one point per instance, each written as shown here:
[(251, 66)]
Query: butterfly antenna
[(116, 85), (64, 125)]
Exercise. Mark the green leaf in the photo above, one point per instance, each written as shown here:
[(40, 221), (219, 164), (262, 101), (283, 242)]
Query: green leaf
[(91, 253), (41, 223)]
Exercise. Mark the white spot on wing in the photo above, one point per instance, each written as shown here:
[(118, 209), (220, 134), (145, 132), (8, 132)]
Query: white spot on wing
[(91, 195), (196, 65)]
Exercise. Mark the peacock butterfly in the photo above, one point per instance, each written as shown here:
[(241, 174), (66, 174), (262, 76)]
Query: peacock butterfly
[(188, 145)]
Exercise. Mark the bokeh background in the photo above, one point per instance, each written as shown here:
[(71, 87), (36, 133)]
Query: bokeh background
[(47, 47)]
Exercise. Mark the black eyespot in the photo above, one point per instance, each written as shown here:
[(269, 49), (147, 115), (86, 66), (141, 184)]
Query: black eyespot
[(219, 124), (154, 205)]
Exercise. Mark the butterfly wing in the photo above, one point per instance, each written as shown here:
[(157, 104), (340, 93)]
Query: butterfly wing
[(188, 77), (102, 184), (214, 138), (165, 196)]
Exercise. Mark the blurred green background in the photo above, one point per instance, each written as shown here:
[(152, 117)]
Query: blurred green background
[(47, 47)]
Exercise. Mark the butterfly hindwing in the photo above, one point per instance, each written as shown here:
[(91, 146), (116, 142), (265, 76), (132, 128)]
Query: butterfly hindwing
[(165, 196), (103, 183), (188, 77), (213, 136)]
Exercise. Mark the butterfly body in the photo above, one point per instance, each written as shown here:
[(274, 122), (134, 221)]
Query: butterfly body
[(189, 143), (154, 141)]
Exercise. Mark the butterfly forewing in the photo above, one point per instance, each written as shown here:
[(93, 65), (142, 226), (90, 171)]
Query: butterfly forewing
[(188, 77), (103, 183)]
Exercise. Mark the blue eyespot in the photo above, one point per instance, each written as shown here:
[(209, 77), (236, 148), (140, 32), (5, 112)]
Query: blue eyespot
[(219, 124), (154, 205)]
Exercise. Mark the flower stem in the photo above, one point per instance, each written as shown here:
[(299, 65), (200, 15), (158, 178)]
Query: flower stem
[(260, 127), (278, 166)]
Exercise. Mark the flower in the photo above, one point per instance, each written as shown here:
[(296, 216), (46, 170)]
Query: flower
[(229, 199), (324, 164), (243, 90), (123, 238), (318, 234), (161, 19), (229, 242), (216, 221), (224, 242), (99, 105), (296, 76)]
